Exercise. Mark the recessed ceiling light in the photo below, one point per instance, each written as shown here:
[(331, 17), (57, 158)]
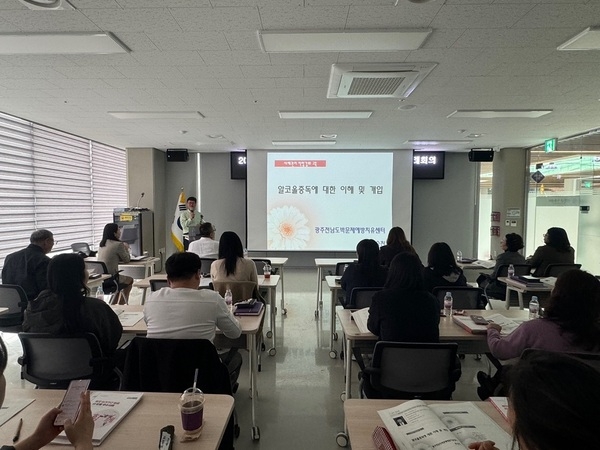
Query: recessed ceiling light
[(303, 143), (474, 135), (347, 41), (215, 136), (328, 136), (500, 113), (588, 39), (325, 114), (47, 4), (407, 107), (438, 142), (60, 44), (156, 114)]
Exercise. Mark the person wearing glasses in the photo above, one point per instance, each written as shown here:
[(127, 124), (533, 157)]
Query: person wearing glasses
[(206, 246), (28, 267), (556, 250)]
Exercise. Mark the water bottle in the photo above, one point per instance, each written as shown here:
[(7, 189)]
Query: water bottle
[(229, 299), (448, 304), (459, 256), (534, 307), (100, 292), (511, 271)]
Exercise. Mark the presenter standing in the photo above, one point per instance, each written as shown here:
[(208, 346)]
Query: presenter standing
[(189, 218)]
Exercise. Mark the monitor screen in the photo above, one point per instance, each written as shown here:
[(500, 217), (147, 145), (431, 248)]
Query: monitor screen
[(428, 165), (238, 165)]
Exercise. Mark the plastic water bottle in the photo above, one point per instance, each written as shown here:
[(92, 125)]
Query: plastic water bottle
[(229, 299), (534, 307), (448, 304), (100, 292), (459, 256), (511, 271)]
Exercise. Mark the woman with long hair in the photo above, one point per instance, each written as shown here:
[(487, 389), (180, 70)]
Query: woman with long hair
[(231, 265), (366, 272), (442, 269), (571, 323), (396, 243), (557, 250), (65, 307), (113, 251)]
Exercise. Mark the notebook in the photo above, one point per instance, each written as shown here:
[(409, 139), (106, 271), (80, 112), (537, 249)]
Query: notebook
[(255, 310)]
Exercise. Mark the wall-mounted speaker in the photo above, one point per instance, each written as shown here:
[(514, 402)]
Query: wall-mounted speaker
[(481, 155), (177, 155)]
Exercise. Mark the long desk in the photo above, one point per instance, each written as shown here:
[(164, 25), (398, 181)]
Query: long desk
[(361, 418), (269, 283), (139, 430), (277, 263), (472, 270), (147, 264), (449, 332), (520, 289), (321, 263), (250, 327)]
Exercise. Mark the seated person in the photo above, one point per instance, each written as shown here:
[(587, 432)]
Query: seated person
[(557, 250), (79, 434), (231, 265), (28, 267), (366, 272), (548, 384), (570, 324), (112, 252), (182, 311), (396, 243), (65, 307), (441, 268), (206, 246), (510, 244)]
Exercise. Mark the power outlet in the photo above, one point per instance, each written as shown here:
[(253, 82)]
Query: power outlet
[(162, 251)]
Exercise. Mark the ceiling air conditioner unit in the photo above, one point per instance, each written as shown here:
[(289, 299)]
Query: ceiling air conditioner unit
[(385, 80)]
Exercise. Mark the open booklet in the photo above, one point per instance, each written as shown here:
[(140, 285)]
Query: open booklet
[(508, 325), (442, 426), (109, 408), (361, 318), (128, 318)]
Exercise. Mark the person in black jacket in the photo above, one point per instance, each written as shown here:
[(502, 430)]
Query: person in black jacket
[(441, 268), (366, 272), (396, 243)]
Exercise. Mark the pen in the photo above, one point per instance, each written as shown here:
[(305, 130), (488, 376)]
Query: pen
[(18, 432)]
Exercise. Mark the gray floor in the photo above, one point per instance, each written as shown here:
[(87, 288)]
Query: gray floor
[(299, 388)]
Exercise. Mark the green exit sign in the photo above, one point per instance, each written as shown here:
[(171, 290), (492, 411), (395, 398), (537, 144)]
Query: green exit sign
[(550, 145)]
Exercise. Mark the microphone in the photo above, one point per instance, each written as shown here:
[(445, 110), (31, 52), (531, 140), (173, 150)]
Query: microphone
[(137, 206)]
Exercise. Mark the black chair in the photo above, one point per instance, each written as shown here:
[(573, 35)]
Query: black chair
[(14, 298), (157, 285), (260, 265), (463, 297), (554, 270), (496, 288), (205, 264), (110, 285), (168, 365), (591, 359), (361, 297), (51, 361), (403, 370), (340, 268), (82, 247)]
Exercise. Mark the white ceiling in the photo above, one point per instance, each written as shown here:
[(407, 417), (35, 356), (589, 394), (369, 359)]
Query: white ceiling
[(203, 55)]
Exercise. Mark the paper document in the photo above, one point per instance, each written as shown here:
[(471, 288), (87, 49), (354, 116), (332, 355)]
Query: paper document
[(487, 264), (508, 325), (414, 425), (501, 404), (129, 319), (361, 318)]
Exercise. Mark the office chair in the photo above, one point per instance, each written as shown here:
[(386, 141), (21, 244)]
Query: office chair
[(157, 285), (260, 265), (168, 365), (463, 297), (205, 264), (14, 298), (591, 359), (497, 289), (361, 297), (110, 285), (82, 247), (554, 270), (405, 370), (51, 361)]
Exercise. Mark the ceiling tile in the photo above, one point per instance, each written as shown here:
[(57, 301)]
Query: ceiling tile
[(217, 19), (272, 71), (128, 20), (188, 40), (235, 57), (405, 15), (172, 58), (301, 18), (484, 16)]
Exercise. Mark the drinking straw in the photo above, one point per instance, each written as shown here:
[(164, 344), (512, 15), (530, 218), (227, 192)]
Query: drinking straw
[(195, 379)]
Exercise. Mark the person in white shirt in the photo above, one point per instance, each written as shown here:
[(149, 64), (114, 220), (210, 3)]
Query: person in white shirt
[(182, 311), (206, 246)]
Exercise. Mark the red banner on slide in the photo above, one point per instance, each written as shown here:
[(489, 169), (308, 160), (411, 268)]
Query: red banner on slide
[(300, 163)]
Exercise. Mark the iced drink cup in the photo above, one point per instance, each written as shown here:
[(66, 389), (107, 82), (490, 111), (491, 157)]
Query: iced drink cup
[(191, 405)]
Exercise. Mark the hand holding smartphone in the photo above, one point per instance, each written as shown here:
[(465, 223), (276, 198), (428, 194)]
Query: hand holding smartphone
[(71, 402)]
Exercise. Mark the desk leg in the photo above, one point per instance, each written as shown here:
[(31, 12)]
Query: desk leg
[(273, 313), (253, 393), (319, 276), (507, 297), (348, 360), (520, 300), (283, 310), (333, 334), (143, 295)]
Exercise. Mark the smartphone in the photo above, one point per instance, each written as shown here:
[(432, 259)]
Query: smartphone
[(479, 320), (71, 402)]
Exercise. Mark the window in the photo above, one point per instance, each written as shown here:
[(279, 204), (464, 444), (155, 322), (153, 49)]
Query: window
[(55, 180)]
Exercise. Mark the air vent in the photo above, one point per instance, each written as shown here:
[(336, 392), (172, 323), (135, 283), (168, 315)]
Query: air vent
[(376, 80)]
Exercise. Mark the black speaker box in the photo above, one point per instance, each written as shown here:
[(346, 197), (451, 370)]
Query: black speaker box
[(177, 155), (481, 155)]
